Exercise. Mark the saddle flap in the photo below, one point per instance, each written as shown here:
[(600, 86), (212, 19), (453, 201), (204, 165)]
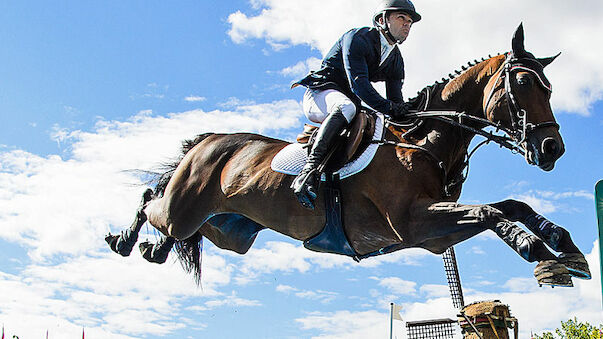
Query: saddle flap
[(355, 134), (291, 159), (356, 137)]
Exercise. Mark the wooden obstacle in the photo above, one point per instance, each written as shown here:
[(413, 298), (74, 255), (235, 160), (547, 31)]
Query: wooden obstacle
[(487, 320)]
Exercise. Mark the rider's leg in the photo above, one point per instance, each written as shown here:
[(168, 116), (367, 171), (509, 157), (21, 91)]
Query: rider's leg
[(338, 111)]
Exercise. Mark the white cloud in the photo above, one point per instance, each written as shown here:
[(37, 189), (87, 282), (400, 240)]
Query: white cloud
[(397, 285), (566, 195), (59, 134), (539, 205), (435, 291), (373, 324), (548, 201), (324, 297), (233, 102), (231, 300), (301, 68), (315, 23), (285, 289), (286, 257), (446, 28), (194, 98), (477, 250), (346, 324), (107, 294)]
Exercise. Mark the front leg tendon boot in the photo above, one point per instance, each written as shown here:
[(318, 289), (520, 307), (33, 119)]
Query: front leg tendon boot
[(305, 185), (526, 245)]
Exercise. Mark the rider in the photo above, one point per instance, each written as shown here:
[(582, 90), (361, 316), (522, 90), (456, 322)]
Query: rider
[(334, 93)]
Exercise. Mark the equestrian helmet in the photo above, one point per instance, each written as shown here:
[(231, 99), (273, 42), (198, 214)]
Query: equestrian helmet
[(395, 5)]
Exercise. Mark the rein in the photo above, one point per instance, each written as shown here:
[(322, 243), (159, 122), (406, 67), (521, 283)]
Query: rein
[(520, 127)]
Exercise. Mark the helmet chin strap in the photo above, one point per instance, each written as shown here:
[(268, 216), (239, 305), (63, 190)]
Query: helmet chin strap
[(385, 29)]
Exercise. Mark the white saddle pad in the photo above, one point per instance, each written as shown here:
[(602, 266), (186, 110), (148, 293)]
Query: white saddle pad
[(292, 158)]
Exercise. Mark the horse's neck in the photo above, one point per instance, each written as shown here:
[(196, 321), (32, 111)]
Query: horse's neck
[(447, 142), (462, 94)]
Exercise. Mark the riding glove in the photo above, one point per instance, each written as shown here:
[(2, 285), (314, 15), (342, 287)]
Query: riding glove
[(399, 110)]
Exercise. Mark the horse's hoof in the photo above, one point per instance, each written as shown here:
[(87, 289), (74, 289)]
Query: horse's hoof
[(552, 273), (117, 246), (576, 264), (146, 249)]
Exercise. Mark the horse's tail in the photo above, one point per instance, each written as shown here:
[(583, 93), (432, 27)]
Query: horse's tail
[(188, 250), (189, 254)]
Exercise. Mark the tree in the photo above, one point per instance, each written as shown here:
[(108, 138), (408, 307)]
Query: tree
[(573, 329)]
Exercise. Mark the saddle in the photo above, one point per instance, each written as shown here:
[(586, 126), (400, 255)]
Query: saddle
[(352, 141)]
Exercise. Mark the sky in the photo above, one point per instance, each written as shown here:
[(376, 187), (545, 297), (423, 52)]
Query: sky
[(90, 92)]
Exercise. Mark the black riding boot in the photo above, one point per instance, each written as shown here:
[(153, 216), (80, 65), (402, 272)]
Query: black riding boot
[(305, 186)]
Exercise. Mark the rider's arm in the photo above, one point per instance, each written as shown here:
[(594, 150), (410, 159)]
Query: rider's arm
[(355, 50), (393, 90), (395, 80)]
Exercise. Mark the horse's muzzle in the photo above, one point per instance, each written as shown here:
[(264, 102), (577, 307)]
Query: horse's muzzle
[(544, 150)]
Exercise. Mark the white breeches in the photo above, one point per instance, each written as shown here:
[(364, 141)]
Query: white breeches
[(317, 105)]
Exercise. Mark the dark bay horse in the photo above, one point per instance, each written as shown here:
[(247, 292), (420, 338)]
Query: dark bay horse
[(224, 189)]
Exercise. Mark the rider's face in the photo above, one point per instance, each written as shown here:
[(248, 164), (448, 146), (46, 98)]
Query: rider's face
[(399, 24)]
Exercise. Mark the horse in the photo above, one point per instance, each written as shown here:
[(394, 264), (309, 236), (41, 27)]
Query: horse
[(223, 187)]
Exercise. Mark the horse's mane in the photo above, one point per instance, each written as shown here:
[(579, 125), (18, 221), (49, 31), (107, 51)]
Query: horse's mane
[(477, 72), (451, 85)]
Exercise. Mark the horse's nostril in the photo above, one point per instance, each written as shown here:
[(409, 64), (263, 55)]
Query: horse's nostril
[(549, 147)]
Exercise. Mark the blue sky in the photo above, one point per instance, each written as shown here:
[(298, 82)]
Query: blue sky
[(91, 90)]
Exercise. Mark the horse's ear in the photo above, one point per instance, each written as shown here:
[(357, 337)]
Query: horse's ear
[(546, 61), (517, 42)]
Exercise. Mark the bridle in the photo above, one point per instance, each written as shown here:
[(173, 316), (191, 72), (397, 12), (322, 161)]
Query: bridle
[(520, 127), (516, 136)]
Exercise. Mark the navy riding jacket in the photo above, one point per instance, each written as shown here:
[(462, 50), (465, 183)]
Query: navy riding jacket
[(353, 63)]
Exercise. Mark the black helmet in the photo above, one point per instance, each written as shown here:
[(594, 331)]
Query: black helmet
[(396, 5)]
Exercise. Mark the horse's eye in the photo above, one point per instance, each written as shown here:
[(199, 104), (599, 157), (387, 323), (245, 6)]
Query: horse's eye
[(523, 80)]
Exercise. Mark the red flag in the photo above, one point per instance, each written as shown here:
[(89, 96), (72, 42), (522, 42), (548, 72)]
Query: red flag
[(2, 331), (82, 333)]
